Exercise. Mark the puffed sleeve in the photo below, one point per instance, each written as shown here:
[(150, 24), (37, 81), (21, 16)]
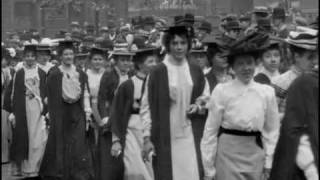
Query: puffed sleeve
[(210, 135), (270, 132)]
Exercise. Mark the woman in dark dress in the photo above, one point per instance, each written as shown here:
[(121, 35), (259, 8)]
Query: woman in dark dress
[(109, 167), (67, 155), (173, 88)]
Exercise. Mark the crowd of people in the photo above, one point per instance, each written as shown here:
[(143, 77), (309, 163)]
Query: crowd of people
[(152, 100)]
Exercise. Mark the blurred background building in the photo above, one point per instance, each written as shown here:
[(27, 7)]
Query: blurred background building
[(50, 16)]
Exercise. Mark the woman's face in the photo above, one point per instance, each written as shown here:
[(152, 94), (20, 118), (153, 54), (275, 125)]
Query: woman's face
[(148, 64), (200, 59), (30, 58), (124, 63), (4, 62), (43, 57), (67, 57), (97, 61), (178, 47), (271, 59), (243, 67), (219, 61), (307, 60)]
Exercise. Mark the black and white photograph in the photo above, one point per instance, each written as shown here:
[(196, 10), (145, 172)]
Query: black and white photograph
[(160, 90)]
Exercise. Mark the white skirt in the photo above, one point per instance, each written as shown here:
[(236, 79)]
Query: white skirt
[(135, 167), (239, 158)]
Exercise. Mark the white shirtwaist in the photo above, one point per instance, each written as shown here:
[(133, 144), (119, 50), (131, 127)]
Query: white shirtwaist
[(237, 106)]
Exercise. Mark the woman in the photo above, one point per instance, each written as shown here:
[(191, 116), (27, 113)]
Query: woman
[(109, 167), (219, 67), (97, 59), (198, 56), (44, 57), (173, 89), (241, 112), (67, 156), (5, 127), (271, 58), (27, 110), (125, 120)]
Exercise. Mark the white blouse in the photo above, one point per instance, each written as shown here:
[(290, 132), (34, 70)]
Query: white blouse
[(94, 79), (234, 105)]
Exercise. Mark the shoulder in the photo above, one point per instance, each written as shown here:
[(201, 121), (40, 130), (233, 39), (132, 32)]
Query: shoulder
[(265, 90), (54, 71), (41, 72)]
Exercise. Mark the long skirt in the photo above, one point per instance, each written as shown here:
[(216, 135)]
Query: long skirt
[(135, 168), (184, 157), (38, 136), (109, 168), (239, 158), (5, 136)]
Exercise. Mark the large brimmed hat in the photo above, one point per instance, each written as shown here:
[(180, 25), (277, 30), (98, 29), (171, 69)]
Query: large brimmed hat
[(303, 37), (44, 48), (251, 44), (205, 26), (141, 53), (99, 51), (30, 48), (232, 25), (121, 49), (261, 11), (264, 24)]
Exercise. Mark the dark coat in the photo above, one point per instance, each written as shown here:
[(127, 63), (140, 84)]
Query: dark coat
[(108, 167), (301, 117), (67, 155), (159, 101), (17, 105)]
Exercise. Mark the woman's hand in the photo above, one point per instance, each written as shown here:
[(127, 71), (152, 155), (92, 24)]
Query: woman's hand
[(266, 173), (193, 108), (12, 120), (88, 121), (147, 149), (116, 149)]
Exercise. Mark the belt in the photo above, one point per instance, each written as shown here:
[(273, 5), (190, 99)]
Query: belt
[(257, 134)]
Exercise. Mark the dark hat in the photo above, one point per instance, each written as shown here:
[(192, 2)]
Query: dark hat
[(81, 55), (148, 20), (30, 47), (244, 18), (75, 24), (251, 44), (142, 53), (198, 50), (88, 39), (189, 18), (264, 23), (178, 20), (261, 11), (66, 44), (96, 50), (178, 30), (229, 17), (278, 12), (44, 48), (205, 26), (232, 25), (105, 44)]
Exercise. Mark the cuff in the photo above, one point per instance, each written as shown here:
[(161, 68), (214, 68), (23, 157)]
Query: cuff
[(268, 163), (115, 138), (104, 121)]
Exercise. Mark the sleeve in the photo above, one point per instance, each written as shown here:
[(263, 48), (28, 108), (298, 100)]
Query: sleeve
[(7, 101), (305, 159), (102, 98), (145, 112), (270, 132), (86, 101), (210, 135)]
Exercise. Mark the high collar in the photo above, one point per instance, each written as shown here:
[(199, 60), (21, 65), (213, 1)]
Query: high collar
[(239, 83)]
